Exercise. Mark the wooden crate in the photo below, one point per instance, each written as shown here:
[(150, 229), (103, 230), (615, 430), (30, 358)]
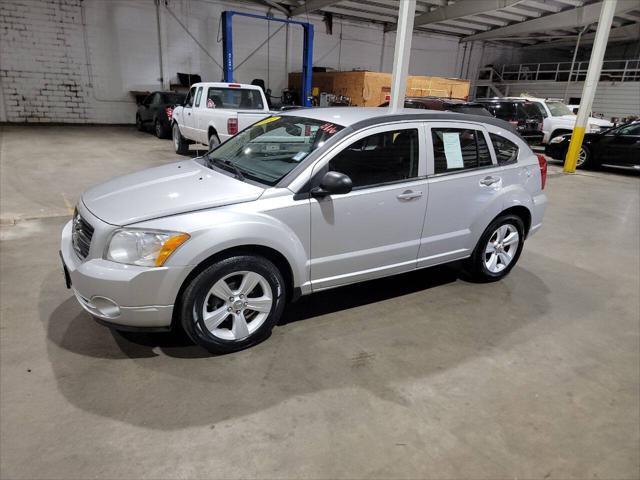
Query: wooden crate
[(370, 89)]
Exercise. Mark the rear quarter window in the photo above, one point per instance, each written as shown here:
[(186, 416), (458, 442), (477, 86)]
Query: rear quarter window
[(506, 150)]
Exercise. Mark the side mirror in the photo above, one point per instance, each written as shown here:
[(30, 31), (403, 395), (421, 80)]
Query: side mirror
[(333, 183)]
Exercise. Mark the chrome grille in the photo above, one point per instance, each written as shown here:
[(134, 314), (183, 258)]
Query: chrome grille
[(81, 234)]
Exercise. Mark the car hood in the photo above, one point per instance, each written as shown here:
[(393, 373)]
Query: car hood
[(167, 190), (596, 121)]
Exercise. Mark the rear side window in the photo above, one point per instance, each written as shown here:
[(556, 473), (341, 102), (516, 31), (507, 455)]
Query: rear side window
[(380, 158), (506, 150), (459, 149)]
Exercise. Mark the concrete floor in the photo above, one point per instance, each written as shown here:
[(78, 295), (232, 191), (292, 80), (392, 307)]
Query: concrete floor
[(417, 376)]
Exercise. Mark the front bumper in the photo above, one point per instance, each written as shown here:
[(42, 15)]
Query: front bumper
[(557, 151), (123, 296)]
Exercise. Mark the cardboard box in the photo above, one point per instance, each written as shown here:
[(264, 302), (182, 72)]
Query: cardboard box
[(370, 89)]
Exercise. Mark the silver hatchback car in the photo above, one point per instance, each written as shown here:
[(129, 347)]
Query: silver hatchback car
[(297, 203)]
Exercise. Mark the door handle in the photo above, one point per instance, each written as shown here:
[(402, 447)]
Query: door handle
[(488, 181), (409, 195)]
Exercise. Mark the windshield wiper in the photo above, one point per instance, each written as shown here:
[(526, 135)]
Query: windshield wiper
[(225, 165)]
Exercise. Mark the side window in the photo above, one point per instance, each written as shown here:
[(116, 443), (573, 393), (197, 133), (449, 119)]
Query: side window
[(506, 150), (541, 108), (156, 99), (458, 149), (188, 102), (380, 158), (198, 96)]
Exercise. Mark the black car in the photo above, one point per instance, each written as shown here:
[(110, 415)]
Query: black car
[(619, 146), (156, 111), (520, 113), (448, 104)]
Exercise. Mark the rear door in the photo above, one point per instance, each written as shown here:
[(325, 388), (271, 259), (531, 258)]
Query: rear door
[(465, 185)]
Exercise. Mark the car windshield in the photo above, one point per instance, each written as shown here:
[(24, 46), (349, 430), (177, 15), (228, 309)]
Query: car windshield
[(173, 98), (558, 109), (269, 149)]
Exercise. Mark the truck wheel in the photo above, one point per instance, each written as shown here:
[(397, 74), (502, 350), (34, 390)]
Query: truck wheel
[(214, 141), (233, 304), (497, 251), (179, 142)]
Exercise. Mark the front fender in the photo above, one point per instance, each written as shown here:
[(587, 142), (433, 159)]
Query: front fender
[(220, 229)]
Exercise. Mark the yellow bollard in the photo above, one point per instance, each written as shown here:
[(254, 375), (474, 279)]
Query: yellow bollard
[(571, 159)]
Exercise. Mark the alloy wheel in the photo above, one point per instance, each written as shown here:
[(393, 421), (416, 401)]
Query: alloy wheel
[(582, 157), (236, 305), (501, 248)]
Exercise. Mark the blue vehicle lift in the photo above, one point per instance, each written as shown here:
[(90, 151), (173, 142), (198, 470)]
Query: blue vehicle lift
[(307, 50)]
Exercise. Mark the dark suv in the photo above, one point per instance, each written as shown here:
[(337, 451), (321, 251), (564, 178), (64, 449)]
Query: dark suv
[(522, 114), (448, 104)]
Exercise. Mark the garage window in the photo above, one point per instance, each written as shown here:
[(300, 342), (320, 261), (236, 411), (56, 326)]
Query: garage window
[(459, 149), (380, 158), (506, 150)]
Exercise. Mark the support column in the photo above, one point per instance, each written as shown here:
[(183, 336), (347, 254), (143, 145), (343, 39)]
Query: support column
[(404, 35), (591, 83)]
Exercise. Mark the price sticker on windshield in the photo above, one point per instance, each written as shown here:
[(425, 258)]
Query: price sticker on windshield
[(329, 128)]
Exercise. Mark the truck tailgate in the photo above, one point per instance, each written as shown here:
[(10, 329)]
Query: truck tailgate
[(249, 118)]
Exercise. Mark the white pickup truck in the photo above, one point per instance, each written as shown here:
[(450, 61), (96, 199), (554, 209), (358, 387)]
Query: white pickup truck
[(560, 119), (214, 111)]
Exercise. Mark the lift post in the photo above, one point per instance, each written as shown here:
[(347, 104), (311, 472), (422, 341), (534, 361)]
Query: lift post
[(307, 49)]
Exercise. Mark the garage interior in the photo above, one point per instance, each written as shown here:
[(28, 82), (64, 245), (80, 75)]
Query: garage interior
[(421, 375)]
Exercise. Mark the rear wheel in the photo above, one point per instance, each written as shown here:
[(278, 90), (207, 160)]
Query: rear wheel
[(233, 304), (498, 249), (214, 141), (179, 142), (160, 130)]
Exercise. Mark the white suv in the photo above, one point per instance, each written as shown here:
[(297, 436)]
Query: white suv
[(560, 119)]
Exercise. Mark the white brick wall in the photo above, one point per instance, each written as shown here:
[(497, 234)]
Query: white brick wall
[(42, 61), (54, 69)]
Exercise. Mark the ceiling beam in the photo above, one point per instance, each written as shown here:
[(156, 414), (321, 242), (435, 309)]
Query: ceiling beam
[(488, 20), (547, 7), (311, 6), (467, 23), (626, 33), (573, 3), (369, 7), (524, 12), (461, 9), (572, 18), (362, 15), (509, 16)]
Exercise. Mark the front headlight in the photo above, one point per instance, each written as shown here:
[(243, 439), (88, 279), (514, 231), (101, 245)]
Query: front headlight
[(144, 248), (593, 128), (557, 139)]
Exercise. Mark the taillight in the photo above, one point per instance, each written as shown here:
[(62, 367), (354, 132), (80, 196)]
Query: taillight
[(514, 122), (543, 169), (169, 112), (232, 126)]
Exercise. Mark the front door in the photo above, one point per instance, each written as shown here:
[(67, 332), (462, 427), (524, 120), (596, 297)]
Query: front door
[(375, 229), (465, 185), (621, 147), (188, 118)]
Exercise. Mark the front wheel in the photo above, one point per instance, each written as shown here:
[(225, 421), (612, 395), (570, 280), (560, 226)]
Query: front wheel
[(584, 158), (498, 249), (139, 125), (233, 304), (179, 142)]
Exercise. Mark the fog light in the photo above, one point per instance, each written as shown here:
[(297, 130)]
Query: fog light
[(105, 306)]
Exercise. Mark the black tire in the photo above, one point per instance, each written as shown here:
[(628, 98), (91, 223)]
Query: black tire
[(587, 163), (160, 130), (139, 124), (214, 141), (197, 293), (475, 266), (179, 142)]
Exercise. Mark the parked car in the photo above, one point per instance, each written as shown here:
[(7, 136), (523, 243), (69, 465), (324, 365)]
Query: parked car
[(559, 119), (214, 112), (444, 104), (520, 113), (298, 203), (618, 146), (156, 110)]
